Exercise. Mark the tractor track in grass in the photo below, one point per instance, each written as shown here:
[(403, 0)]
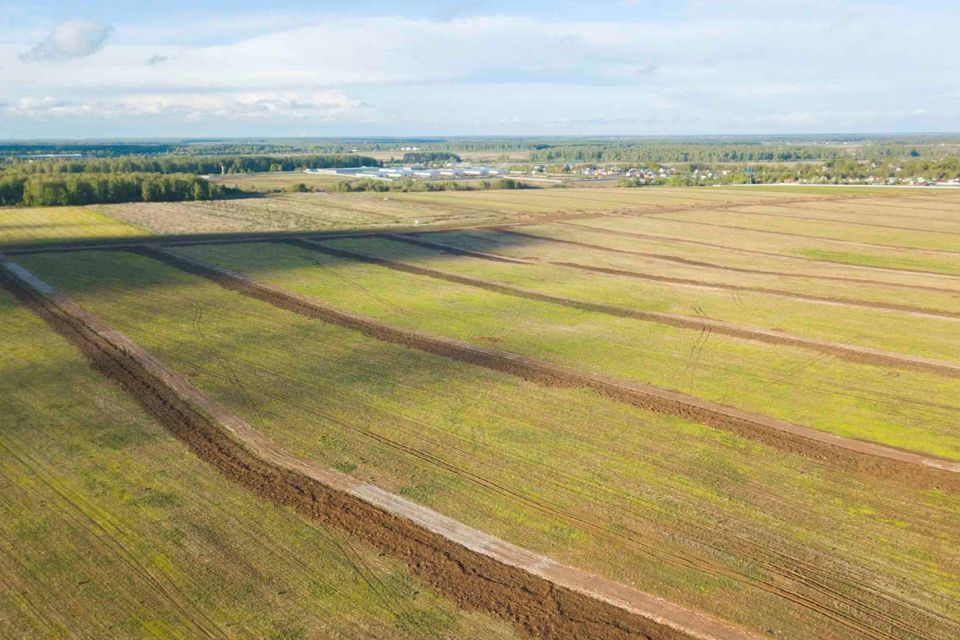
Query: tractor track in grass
[(876, 460), (699, 263), (544, 598), (758, 252), (850, 353), (924, 312)]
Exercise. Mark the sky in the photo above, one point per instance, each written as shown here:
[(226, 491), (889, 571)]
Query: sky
[(112, 69)]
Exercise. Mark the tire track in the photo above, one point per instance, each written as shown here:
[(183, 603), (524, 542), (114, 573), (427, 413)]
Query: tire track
[(863, 457), (850, 353), (476, 570)]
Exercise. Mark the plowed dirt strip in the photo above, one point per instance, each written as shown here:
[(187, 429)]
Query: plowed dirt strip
[(547, 599), (669, 258), (650, 236), (866, 457), (847, 352), (704, 284)]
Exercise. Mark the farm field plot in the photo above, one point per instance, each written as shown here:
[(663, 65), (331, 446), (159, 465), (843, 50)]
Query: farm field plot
[(752, 219), (890, 329), (893, 407), (706, 267), (52, 224), (810, 248), (864, 213), (298, 212), (320, 211), (111, 528), (733, 264), (786, 545)]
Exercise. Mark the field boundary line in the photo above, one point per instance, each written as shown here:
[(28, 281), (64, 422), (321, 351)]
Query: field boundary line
[(911, 467), (477, 570), (850, 353)]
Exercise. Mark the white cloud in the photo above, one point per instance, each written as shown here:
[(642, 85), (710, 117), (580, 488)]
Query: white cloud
[(68, 40), (242, 106)]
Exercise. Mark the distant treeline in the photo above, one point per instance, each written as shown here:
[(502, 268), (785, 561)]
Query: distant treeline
[(92, 188), (721, 153), (197, 165), (426, 157)]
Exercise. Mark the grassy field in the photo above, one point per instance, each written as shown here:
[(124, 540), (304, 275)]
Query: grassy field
[(323, 211), (110, 528), (695, 515), (912, 259), (933, 337), (794, 384), (52, 224)]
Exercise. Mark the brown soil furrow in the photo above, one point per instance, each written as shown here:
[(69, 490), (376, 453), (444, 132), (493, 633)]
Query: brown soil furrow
[(805, 236), (866, 457), (700, 263), (851, 353), (701, 243), (539, 595)]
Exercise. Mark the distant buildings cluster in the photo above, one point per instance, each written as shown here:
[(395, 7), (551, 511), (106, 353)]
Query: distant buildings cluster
[(390, 174)]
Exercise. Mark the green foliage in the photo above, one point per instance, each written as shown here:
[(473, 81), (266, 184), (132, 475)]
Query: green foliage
[(79, 189), (426, 157)]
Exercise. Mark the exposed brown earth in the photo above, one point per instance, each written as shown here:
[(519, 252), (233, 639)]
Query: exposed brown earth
[(851, 353), (865, 457), (542, 597)]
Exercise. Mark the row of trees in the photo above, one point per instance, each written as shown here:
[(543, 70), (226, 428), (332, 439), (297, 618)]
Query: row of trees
[(79, 189), (197, 165), (426, 157)]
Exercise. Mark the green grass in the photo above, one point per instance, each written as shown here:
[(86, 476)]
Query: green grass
[(919, 239), (894, 331), (799, 385), (902, 286), (52, 224), (544, 462), (110, 528)]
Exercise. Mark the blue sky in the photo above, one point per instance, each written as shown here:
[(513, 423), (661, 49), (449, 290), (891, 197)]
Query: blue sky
[(476, 67)]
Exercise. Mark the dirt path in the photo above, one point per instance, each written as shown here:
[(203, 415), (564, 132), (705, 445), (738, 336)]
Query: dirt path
[(541, 596), (869, 458), (850, 353)]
